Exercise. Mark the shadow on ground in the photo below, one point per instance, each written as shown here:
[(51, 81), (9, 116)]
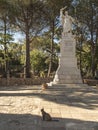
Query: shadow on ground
[(84, 97), (34, 122)]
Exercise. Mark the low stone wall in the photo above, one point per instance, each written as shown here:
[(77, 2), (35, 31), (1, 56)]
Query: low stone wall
[(22, 81), (36, 81), (91, 82)]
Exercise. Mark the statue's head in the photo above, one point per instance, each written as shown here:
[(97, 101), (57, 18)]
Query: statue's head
[(66, 13)]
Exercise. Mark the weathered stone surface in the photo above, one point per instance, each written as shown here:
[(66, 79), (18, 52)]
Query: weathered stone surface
[(67, 71)]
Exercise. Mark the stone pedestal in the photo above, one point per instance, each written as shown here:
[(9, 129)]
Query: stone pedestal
[(67, 71)]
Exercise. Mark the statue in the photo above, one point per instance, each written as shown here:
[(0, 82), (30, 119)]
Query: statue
[(67, 72), (66, 21)]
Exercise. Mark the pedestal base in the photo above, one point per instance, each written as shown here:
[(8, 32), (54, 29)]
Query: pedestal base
[(67, 76), (67, 72)]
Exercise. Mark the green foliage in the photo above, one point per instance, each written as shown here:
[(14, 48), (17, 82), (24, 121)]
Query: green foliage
[(39, 21), (38, 61)]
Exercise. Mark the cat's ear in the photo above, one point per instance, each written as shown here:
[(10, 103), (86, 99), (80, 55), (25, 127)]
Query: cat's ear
[(42, 109)]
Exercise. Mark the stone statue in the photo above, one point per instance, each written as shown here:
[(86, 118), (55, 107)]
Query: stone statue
[(67, 72), (66, 21)]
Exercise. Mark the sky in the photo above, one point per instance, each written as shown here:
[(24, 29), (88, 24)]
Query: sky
[(18, 37)]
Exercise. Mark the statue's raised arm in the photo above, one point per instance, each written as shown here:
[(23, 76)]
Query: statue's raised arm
[(66, 21), (62, 17)]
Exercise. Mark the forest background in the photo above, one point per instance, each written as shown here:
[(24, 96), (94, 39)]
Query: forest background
[(37, 23)]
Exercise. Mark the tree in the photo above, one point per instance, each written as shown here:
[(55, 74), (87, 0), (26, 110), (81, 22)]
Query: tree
[(43, 44), (38, 64), (52, 16), (29, 22), (89, 24), (5, 37)]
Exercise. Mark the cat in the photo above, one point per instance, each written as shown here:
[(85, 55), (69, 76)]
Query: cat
[(46, 116)]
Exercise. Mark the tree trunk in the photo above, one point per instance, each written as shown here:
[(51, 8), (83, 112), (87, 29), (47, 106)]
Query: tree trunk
[(27, 69), (92, 48), (50, 66), (96, 49), (93, 62), (92, 56), (81, 58), (5, 47), (52, 48)]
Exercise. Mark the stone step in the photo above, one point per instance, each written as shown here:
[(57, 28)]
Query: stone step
[(54, 86)]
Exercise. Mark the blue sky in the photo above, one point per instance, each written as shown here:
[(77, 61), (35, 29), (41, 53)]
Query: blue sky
[(18, 37)]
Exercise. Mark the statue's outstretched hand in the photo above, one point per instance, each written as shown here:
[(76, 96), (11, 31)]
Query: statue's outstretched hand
[(63, 8)]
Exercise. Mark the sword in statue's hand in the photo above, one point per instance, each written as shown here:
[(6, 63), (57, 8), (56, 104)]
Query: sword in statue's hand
[(63, 8)]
